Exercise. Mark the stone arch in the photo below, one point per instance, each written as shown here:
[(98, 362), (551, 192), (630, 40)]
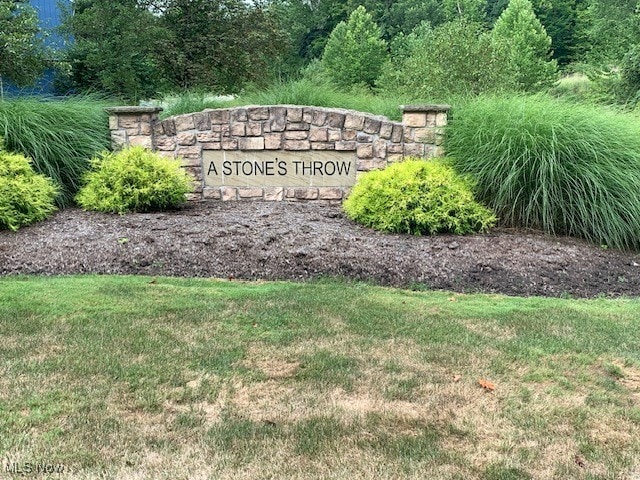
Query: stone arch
[(280, 152)]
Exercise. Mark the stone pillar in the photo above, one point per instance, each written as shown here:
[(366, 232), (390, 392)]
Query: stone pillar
[(132, 126), (424, 124)]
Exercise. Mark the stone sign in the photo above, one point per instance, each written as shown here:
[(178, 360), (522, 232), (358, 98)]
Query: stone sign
[(236, 168), (280, 152)]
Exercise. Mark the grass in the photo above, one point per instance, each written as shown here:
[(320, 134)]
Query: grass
[(562, 167), (295, 92), (575, 86), (137, 377), (60, 136)]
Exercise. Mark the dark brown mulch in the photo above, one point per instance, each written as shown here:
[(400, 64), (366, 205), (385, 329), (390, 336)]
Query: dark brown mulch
[(300, 241)]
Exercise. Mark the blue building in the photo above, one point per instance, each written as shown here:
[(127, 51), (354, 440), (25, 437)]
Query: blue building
[(50, 18)]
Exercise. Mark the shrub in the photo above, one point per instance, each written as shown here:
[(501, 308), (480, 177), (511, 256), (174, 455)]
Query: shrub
[(25, 197), (561, 167), (417, 196), (133, 180), (60, 136)]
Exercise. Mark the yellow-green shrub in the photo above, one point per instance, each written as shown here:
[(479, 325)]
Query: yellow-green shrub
[(133, 180), (25, 196), (418, 197)]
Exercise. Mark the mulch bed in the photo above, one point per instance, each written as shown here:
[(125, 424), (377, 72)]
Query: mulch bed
[(301, 241)]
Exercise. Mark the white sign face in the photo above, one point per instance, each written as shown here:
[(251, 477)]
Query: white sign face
[(275, 168)]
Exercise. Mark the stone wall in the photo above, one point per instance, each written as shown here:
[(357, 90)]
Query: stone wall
[(372, 142)]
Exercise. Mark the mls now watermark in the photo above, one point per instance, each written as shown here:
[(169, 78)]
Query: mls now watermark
[(33, 468)]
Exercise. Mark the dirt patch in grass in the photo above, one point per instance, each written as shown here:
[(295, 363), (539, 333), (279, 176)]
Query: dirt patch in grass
[(300, 241)]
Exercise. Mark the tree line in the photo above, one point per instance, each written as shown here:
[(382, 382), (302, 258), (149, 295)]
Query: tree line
[(424, 48)]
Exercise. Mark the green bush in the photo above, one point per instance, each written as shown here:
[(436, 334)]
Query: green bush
[(133, 180), (565, 168), (417, 196), (60, 136), (25, 196)]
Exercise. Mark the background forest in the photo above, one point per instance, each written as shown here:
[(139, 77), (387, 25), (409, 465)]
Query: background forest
[(430, 50)]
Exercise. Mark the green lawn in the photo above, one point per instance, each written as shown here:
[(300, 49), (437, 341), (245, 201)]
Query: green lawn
[(139, 377)]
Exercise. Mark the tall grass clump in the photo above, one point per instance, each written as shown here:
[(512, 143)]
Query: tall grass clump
[(565, 168), (321, 93), (317, 92), (60, 136), (192, 101)]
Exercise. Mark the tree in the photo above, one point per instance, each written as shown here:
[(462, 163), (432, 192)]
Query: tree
[(519, 30), (135, 48), (116, 48), (22, 56), (614, 27), (456, 58), (308, 25), (563, 20), (470, 10), (220, 44), (355, 52)]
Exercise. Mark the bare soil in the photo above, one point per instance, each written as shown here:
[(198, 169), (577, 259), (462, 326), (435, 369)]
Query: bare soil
[(301, 241)]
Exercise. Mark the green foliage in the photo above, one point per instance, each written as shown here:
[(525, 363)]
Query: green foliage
[(318, 92), (219, 44), (630, 76), (133, 180), (59, 136), (613, 25), (355, 52), (469, 10), (457, 58), (323, 94), (417, 197), (25, 197), (565, 21), (528, 46), (115, 49), (134, 49), (561, 167), (21, 51), (190, 101)]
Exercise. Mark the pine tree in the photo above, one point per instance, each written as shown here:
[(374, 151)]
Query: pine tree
[(519, 30), (355, 52)]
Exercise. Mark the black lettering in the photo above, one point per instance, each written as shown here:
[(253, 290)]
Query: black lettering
[(237, 165), (330, 166), (306, 167), (258, 168), (226, 167), (269, 168), (282, 167), (244, 170), (212, 168), (296, 163), (343, 168), (317, 167)]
